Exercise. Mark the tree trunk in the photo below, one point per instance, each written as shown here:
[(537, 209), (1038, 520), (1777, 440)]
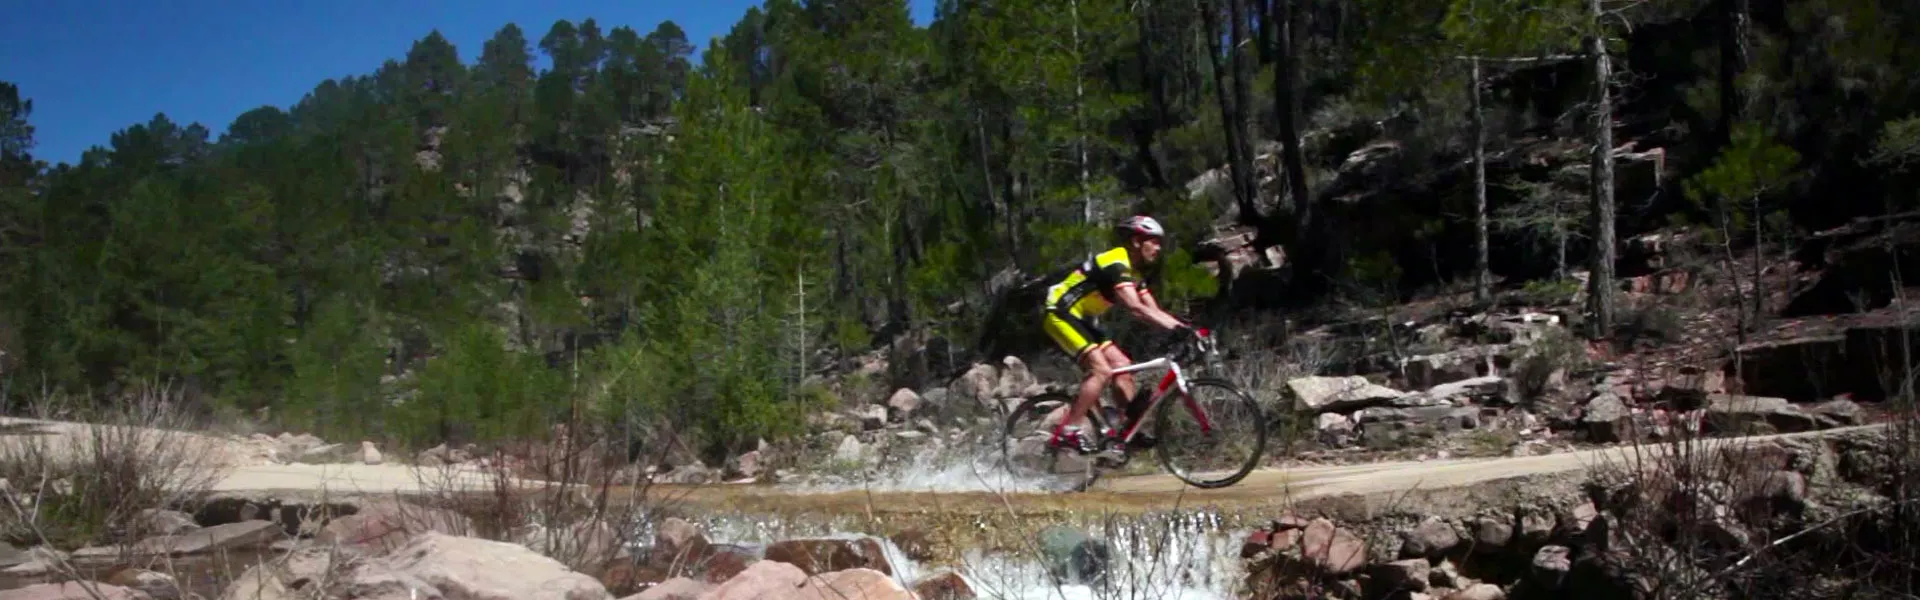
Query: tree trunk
[(986, 177), (1742, 325), (1286, 77), (1242, 99), (1009, 195), (1733, 61), (1153, 81), (1482, 273), (1601, 279), (800, 333), (1265, 32), (1079, 116), (1153, 76), (1210, 23), (1559, 245), (1759, 303), (898, 313)]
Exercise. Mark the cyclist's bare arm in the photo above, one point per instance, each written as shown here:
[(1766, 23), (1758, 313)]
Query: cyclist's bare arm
[(1144, 308), (1146, 296)]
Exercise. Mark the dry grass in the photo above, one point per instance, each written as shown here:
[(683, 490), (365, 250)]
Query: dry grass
[(90, 480), (569, 497), (86, 483), (1696, 517)]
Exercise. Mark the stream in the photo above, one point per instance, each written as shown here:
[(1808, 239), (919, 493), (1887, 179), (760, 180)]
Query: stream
[(1170, 555), (1190, 554)]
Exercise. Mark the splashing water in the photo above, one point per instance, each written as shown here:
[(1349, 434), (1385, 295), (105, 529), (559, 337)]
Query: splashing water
[(969, 467), (1182, 556)]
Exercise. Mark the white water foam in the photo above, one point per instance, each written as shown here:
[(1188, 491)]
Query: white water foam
[(1179, 558), (974, 468)]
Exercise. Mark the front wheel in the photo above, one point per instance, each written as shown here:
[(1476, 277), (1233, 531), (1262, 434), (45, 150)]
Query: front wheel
[(1213, 437)]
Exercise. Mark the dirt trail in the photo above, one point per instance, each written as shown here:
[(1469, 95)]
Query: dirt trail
[(1267, 487), (1262, 488), (244, 470)]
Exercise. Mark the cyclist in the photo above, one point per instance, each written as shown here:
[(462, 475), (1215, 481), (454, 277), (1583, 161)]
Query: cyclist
[(1075, 299)]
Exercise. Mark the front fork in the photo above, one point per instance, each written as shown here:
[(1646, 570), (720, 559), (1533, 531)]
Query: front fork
[(1173, 379)]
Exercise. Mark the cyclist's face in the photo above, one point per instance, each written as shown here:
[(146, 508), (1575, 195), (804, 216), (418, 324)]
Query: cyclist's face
[(1149, 247)]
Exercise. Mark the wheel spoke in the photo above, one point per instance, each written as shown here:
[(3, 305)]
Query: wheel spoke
[(1024, 451), (1213, 437)]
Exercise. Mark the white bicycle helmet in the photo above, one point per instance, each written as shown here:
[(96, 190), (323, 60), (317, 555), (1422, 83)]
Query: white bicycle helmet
[(1142, 225)]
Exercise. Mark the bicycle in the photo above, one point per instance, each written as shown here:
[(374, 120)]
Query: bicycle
[(1115, 453)]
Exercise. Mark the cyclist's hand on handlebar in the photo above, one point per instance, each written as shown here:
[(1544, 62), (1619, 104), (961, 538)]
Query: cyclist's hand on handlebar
[(1180, 336), (1187, 331)]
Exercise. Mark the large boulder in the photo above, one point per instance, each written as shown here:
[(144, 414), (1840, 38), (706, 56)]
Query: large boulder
[(1749, 414), (291, 577), (678, 543), (1447, 367), (436, 565), (826, 555), (383, 525), (944, 586), (901, 404), (764, 579), (1608, 419), (1383, 427), (73, 590), (160, 586), (1014, 378), (1814, 365), (1430, 539), (977, 385), (1338, 394), (1331, 549), (865, 584), (219, 538), (155, 521), (678, 588)]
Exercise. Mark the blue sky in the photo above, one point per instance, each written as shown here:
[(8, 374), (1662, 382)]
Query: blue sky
[(93, 67)]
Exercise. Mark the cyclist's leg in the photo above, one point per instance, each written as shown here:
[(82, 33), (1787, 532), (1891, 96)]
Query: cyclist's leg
[(1124, 387), (1098, 373), (1071, 335), (1124, 384), (1082, 342)]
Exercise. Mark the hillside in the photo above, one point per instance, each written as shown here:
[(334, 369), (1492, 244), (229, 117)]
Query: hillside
[(693, 252)]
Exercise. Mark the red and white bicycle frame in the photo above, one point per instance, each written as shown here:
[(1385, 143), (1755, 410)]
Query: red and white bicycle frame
[(1174, 380)]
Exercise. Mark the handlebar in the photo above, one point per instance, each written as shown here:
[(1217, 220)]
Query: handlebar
[(1202, 345)]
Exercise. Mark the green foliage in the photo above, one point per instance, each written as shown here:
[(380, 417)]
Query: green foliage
[(1375, 277), (1898, 145), (1751, 167), (334, 389), (478, 390), (1550, 292), (1515, 28), (725, 243), (16, 134), (1183, 281)]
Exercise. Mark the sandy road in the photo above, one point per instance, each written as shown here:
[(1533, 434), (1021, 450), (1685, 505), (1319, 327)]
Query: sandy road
[(1266, 487), (1262, 488)]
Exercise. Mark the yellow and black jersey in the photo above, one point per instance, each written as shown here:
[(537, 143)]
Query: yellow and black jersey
[(1084, 293)]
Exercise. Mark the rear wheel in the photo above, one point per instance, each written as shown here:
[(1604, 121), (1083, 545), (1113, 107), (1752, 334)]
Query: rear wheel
[(1225, 449), (1024, 450)]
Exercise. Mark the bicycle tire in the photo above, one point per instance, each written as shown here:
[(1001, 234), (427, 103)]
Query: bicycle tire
[(1029, 405), (1163, 416)]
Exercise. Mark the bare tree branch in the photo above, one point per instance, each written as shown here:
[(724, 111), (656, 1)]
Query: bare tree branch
[(1550, 58)]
